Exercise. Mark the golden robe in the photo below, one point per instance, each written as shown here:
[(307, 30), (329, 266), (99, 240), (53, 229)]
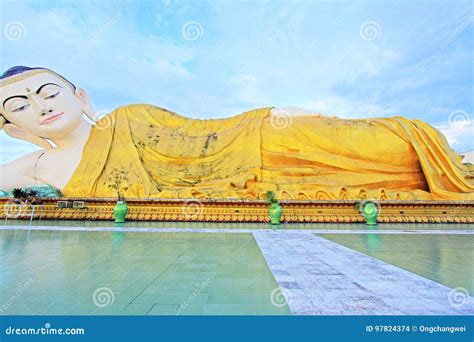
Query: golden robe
[(149, 152)]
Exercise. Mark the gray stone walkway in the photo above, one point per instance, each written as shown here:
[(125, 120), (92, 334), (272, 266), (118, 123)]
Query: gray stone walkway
[(321, 277)]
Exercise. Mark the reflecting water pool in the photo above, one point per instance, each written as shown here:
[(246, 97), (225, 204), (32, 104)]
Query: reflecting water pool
[(240, 225), (58, 272), (446, 259)]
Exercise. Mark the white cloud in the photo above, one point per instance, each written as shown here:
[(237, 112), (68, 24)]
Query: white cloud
[(459, 137), (166, 67), (253, 54), (345, 108)]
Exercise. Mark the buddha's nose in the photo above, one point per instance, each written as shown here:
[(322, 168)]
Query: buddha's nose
[(42, 106), (44, 112)]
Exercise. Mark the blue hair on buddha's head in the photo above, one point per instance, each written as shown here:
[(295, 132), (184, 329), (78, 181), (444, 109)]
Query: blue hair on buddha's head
[(16, 70), (19, 69)]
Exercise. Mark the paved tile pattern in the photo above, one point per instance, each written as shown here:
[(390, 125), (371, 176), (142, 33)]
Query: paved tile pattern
[(320, 277), (117, 273)]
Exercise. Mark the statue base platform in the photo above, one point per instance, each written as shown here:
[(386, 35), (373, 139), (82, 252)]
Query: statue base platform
[(234, 210)]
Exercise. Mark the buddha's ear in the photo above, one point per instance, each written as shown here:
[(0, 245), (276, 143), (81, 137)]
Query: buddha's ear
[(87, 107), (18, 132)]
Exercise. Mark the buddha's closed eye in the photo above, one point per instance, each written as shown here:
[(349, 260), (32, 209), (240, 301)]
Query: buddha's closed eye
[(52, 96), (26, 106), (20, 109)]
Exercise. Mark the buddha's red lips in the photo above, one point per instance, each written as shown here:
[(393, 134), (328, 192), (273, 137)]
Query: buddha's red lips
[(51, 118)]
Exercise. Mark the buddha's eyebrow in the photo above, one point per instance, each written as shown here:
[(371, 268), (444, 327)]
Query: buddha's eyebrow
[(25, 97), (12, 97), (44, 85)]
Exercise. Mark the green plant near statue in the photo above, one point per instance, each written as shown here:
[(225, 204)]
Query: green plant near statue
[(118, 181), (275, 211), (21, 196)]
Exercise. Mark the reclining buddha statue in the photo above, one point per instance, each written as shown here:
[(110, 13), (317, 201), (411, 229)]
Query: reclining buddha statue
[(144, 151)]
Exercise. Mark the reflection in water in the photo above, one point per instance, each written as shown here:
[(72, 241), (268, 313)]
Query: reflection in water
[(372, 241), (446, 259), (117, 239), (243, 225)]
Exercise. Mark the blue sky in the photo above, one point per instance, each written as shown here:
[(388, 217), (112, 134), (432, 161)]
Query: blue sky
[(209, 59)]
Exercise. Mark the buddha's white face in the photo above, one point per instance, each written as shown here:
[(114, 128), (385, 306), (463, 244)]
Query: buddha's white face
[(44, 104)]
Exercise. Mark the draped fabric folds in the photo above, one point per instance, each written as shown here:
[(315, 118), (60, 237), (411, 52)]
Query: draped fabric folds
[(148, 152)]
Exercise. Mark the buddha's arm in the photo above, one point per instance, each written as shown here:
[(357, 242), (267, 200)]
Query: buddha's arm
[(18, 173)]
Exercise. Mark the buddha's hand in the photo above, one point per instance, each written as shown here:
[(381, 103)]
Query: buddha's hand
[(18, 132)]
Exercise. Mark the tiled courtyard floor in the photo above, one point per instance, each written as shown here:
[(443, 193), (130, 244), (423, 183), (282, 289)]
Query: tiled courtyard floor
[(311, 274)]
